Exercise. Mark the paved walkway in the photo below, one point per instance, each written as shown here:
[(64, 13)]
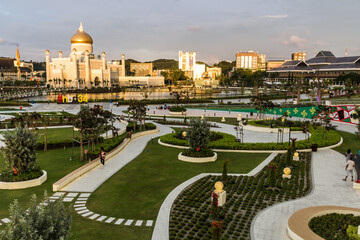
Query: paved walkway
[(328, 189), (90, 181)]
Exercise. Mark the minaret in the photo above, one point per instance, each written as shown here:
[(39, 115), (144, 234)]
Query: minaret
[(60, 54), (87, 70), (123, 65), (103, 60), (47, 57), (18, 62), (74, 69)]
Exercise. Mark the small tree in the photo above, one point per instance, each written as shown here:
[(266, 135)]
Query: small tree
[(47, 221), (198, 135), (224, 176), (20, 150)]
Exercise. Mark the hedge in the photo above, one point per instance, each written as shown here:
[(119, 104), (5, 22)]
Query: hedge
[(228, 142), (148, 126), (177, 109)]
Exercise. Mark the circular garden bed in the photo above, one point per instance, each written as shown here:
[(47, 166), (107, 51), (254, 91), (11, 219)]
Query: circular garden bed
[(227, 141), (35, 179), (246, 197)]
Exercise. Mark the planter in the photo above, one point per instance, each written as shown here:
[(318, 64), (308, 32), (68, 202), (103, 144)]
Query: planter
[(24, 184), (197, 160), (176, 113)]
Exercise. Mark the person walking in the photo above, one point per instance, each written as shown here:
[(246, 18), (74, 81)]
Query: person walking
[(102, 156), (348, 154), (350, 168)]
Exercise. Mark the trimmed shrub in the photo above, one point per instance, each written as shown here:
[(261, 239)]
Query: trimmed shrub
[(177, 109)]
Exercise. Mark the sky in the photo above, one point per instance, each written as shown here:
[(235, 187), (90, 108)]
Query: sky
[(147, 30)]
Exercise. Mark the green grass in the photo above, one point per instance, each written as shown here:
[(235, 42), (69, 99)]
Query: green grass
[(83, 228), (55, 134), (350, 141), (138, 190), (55, 162)]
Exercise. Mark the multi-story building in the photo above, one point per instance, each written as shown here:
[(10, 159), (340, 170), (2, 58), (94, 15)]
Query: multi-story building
[(251, 60), (261, 62), (187, 63), (142, 69), (272, 64), (9, 69), (298, 56)]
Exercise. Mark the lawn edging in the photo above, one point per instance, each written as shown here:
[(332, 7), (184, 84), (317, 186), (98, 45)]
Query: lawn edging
[(184, 158), (24, 184), (255, 151), (57, 186)]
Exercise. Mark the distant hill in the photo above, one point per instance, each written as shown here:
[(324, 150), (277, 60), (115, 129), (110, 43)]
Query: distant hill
[(165, 64)]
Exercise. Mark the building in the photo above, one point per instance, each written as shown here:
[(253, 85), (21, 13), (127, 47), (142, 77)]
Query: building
[(82, 70), (15, 69), (213, 72), (251, 60), (142, 69), (261, 62), (272, 64), (323, 66), (298, 56), (187, 63)]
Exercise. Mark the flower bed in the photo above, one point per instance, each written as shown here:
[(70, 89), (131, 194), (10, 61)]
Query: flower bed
[(246, 196), (334, 225), (228, 142)]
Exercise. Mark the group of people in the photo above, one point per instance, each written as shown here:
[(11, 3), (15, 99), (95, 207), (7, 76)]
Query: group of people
[(350, 165), (163, 107)]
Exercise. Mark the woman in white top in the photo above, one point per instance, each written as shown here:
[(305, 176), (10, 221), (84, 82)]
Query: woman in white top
[(350, 168)]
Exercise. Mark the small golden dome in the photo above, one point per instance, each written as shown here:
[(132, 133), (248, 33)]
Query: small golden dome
[(81, 36)]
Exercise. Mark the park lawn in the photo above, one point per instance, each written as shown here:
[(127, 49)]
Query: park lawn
[(56, 134), (138, 190), (350, 141), (55, 162), (83, 228)]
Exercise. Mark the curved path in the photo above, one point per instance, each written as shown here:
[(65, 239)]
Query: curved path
[(328, 189), (161, 229), (90, 181)]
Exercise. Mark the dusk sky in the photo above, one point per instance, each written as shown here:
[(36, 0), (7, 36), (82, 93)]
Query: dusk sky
[(147, 30)]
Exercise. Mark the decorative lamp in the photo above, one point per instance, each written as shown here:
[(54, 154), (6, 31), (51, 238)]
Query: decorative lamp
[(287, 172), (184, 133), (219, 186)]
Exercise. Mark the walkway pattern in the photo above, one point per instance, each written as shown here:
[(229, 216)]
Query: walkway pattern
[(328, 189)]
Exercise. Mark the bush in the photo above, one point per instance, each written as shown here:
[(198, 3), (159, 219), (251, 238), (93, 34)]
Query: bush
[(20, 150), (198, 154), (108, 145), (40, 221), (148, 126), (9, 176), (352, 232), (333, 226), (177, 109)]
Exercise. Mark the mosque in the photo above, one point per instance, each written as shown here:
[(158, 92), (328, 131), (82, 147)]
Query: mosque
[(83, 70)]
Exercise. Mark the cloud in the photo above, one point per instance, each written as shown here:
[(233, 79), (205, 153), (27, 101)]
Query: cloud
[(274, 16), (194, 29), (4, 42), (295, 41)]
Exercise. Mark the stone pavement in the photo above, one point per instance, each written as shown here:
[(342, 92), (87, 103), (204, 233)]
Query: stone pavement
[(328, 189), (90, 181)]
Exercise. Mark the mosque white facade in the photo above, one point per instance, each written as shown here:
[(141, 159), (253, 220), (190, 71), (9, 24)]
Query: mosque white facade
[(83, 70)]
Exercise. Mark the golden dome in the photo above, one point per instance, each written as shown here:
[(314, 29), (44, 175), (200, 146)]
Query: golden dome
[(81, 37)]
